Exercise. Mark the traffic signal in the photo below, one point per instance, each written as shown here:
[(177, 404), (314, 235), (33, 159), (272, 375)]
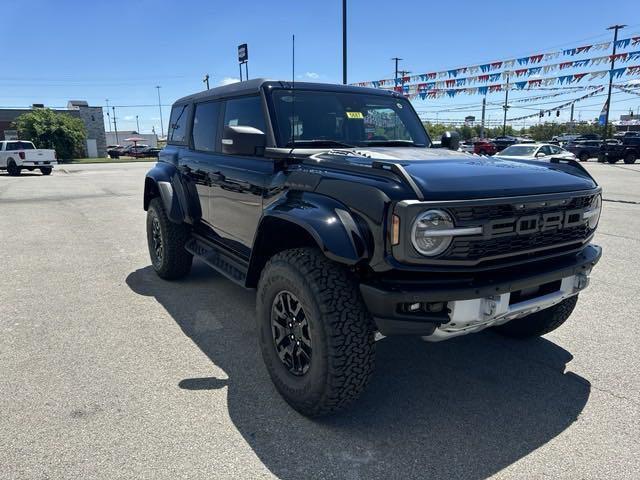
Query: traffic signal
[(557, 113)]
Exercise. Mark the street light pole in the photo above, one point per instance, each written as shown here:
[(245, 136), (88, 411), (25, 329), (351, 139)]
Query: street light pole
[(395, 78), (615, 28), (108, 116), (160, 108), (206, 80), (506, 107), (115, 126), (137, 124), (344, 42)]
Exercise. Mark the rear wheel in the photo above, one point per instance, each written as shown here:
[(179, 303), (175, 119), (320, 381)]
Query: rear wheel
[(13, 169), (630, 158), (539, 323), (316, 336), (166, 242), (46, 170), (584, 156), (612, 160)]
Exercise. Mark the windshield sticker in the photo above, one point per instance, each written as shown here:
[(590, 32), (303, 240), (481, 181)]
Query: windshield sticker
[(355, 115)]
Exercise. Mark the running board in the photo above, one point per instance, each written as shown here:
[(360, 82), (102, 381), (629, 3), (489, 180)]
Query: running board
[(227, 264)]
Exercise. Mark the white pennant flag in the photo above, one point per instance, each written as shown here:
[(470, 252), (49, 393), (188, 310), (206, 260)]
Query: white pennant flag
[(548, 81), (595, 75), (602, 46), (509, 63)]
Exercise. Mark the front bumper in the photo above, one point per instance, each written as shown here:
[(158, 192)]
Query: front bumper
[(480, 302)]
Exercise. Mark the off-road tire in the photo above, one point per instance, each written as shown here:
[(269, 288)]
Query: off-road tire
[(601, 158), (629, 158), (174, 262), (46, 170), (539, 323), (612, 160), (13, 169), (341, 331), (584, 156)]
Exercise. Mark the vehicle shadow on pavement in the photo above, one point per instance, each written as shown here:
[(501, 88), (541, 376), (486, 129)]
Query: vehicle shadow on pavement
[(466, 408)]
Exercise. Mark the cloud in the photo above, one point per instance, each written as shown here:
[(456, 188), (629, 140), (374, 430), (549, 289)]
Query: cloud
[(228, 80), (312, 75)]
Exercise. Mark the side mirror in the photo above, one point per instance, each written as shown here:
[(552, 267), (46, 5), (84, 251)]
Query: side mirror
[(450, 140), (243, 140), (540, 154)]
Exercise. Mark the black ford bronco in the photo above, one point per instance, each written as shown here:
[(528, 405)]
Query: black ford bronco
[(332, 203)]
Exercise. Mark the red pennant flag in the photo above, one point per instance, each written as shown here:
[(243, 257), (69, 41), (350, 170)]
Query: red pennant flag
[(483, 78), (536, 58), (431, 75), (535, 83), (618, 56), (635, 40), (586, 48), (566, 65), (496, 65), (495, 88), (406, 79), (450, 83), (578, 76), (422, 86), (521, 72)]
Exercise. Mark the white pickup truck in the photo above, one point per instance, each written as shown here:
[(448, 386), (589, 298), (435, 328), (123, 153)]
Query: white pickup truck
[(16, 155)]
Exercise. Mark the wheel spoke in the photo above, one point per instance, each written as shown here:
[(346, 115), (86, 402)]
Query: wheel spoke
[(290, 331)]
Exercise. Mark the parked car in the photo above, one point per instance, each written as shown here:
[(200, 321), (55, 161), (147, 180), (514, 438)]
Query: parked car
[(344, 235), (588, 136), (151, 152), (136, 151), (584, 149), (116, 151), (534, 151), (466, 147), (503, 142), (16, 155), (626, 134), (627, 149), (565, 137), (484, 147)]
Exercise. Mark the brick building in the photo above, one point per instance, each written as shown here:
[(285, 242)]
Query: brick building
[(96, 144)]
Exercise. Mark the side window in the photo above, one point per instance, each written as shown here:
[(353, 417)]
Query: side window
[(545, 149), (205, 126), (12, 145), (178, 124), (245, 111), (555, 150)]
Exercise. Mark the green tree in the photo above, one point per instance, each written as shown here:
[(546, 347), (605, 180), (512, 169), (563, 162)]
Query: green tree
[(49, 129)]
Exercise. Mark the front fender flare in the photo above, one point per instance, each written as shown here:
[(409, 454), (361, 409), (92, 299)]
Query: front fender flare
[(330, 223), (163, 180)]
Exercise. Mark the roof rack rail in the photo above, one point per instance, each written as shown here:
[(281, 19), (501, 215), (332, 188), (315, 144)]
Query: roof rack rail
[(400, 171)]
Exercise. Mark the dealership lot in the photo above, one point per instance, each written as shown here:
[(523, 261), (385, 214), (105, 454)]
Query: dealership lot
[(107, 371)]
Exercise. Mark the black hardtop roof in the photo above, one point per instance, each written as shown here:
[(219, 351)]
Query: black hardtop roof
[(255, 85)]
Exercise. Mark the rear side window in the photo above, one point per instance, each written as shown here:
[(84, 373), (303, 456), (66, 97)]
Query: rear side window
[(178, 124), (205, 126), (20, 146), (245, 111)]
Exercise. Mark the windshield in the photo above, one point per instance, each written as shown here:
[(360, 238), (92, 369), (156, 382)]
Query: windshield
[(519, 150), (336, 119)]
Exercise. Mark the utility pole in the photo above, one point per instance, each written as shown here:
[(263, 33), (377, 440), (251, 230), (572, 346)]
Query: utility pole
[(505, 107), (395, 78), (615, 28), (206, 80), (344, 42), (108, 116), (404, 73), (137, 124), (160, 108), (484, 108), (571, 118), (115, 126)]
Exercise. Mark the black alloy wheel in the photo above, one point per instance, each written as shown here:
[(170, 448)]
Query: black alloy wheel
[(156, 239), (290, 330)]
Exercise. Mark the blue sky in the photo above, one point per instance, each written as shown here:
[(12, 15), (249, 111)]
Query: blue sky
[(120, 50)]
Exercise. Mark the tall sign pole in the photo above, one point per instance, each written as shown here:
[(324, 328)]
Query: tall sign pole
[(344, 42), (615, 28), (160, 108), (243, 59)]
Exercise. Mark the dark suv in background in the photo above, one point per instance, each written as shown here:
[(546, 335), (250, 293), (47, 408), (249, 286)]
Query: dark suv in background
[(626, 148), (332, 203), (584, 149)]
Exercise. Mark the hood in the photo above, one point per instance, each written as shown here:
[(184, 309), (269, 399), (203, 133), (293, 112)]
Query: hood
[(448, 175)]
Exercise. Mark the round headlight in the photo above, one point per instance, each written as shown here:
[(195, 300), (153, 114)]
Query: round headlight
[(427, 233), (594, 212)]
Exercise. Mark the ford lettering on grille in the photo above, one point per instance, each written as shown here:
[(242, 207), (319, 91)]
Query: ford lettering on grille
[(529, 224)]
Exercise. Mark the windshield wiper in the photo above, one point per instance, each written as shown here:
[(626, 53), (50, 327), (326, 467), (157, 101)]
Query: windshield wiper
[(317, 143), (393, 143)]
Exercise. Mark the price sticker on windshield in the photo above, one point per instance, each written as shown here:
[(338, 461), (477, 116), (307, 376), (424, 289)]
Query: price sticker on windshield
[(354, 115)]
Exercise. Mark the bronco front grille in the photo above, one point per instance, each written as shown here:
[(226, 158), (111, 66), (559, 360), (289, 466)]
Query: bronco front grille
[(480, 248)]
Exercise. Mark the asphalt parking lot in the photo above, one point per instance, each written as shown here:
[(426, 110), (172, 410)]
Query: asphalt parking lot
[(106, 371)]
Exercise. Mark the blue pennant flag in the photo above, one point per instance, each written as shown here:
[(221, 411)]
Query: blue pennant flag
[(405, 88), (460, 82), (534, 71), (483, 90), (569, 51), (494, 77), (453, 73), (565, 78), (623, 43), (485, 67), (376, 84), (523, 61), (423, 77), (617, 72), (634, 55), (521, 85), (423, 95), (581, 63), (430, 85), (398, 81), (452, 93)]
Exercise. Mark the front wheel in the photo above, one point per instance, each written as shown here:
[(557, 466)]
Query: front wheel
[(584, 156), (46, 170), (612, 160), (316, 336), (166, 242), (539, 323), (629, 158)]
